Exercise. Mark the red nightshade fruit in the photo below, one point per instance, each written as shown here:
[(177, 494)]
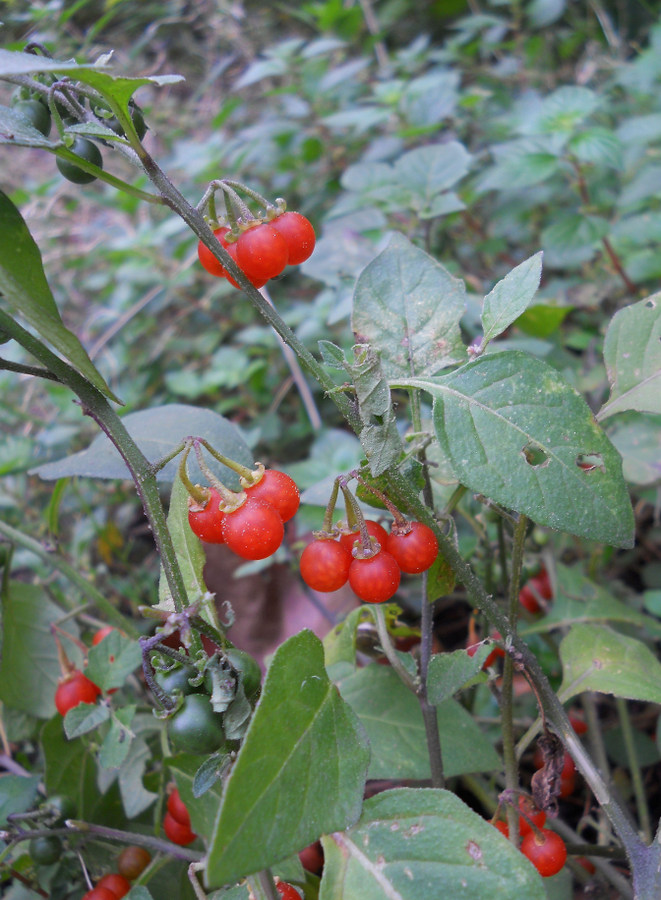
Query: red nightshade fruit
[(312, 858), (376, 579), (76, 688), (503, 827), (415, 551), (176, 832), (287, 892), (532, 814), (547, 852), (206, 521), (133, 861), (325, 565), (101, 634), (262, 252), (207, 258), (279, 490), (116, 883), (349, 538), (254, 530), (100, 893), (298, 234), (177, 809)]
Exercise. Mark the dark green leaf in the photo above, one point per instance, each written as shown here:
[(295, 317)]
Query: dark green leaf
[(117, 742), (17, 794), (135, 797), (450, 672), (510, 297), (187, 547), (332, 355), (70, 768), (112, 661), (84, 718), (304, 751), (379, 436)]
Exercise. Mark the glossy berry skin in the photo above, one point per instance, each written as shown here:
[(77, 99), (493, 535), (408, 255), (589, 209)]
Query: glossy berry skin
[(177, 679), (116, 883), (101, 634), (254, 530), (262, 252), (298, 234), (542, 586), (208, 260), (177, 809), (532, 814), (349, 538), (325, 565), (100, 893), (133, 861), (414, 551), (45, 850), (312, 858), (376, 579), (503, 827), (287, 892), (87, 151), (547, 853), (195, 727), (176, 832), (248, 668), (279, 490), (76, 688), (206, 521)]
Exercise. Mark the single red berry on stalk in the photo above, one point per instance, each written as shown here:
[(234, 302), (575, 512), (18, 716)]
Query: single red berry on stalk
[(254, 530), (530, 813), (262, 252), (503, 827), (414, 551), (206, 519), (177, 809), (100, 893), (325, 565), (547, 852), (312, 858), (542, 586), (74, 689), (375, 579), (278, 489), (287, 891), (298, 234), (116, 883), (348, 538), (207, 258), (176, 832)]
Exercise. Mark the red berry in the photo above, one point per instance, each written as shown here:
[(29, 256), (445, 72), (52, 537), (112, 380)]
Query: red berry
[(579, 725), (100, 893), (539, 585), (232, 249), (279, 490), (206, 520), (254, 530), (177, 809), (312, 858), (101, 633), (414, 551), (547, 852), (325, 565), (376, 579), (116, 883), (503, 827), (287, 892), (530, 813), (298, 234), (207, 258), (74, 689), (262, 252), (132, 861), (348, 538), (176, 832)]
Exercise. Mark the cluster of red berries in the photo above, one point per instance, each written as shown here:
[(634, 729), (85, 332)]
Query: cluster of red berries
[(75, 687), (132, 862), (255, 528), (544, 848), (176, 823), (330, 561), (264, 249)]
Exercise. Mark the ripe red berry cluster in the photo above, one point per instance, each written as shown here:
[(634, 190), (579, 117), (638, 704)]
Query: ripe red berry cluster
[(255, 529), (176, 823), (544, 848), (329, 562), (132, 861), (264, 249)]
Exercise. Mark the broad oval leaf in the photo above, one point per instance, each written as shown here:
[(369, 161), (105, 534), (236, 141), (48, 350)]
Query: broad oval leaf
[(300, 771), (157, 432), (407, 307), (516, 432), (510, 297), (596, 658), (632, 352), (423, 844)]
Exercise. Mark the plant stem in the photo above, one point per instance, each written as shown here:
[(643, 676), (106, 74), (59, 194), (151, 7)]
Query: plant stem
[(634, 769), (262, 887), (429, 712)]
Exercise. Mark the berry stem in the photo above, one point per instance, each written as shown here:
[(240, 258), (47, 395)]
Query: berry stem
[(252, 476), (199, 494), (389, 650), (401, 523), (368, 546), (253, 194), (327, 524), (231, 500)]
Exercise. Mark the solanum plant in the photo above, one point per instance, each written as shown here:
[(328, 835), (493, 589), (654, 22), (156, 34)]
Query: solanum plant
[(453, 424)]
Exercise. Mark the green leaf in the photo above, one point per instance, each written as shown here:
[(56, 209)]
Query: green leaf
[(84, 718), (392, 719), (632, 352), (117, 742), (299, 773), (598, 146), (29, 670), (135, 797), (519, 164), (17, 794), (411, 844), (510, 297), (332, 355), (429, 171), (407, 307), (112, 661), (13, 62), (340, 642), (566, 108), (16, 129), (157, 432), (379, 436), (187, 546), (637, 438), (516, 432), (596, 658), (23, 287), (70, 768), (450, 672)]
